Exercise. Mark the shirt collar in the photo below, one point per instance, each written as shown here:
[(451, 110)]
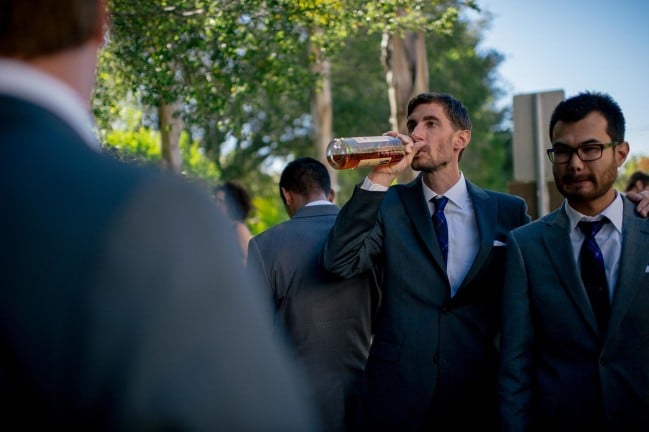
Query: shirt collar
[(457, 194), (319, 202), (614, 213), (23, 81)]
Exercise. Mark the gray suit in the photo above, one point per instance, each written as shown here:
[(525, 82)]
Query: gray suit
[(327, 319), (123, 304), (433, 359), (554, 375)]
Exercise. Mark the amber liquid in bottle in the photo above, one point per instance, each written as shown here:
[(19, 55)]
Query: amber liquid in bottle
[(357, 152)]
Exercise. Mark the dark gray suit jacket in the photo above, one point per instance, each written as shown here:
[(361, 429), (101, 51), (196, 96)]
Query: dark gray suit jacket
[(433, 359), (327, 319), (554, 375), (123, 304)]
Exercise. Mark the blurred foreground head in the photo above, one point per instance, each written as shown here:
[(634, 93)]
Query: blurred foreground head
[(61, 38), (35, 28)]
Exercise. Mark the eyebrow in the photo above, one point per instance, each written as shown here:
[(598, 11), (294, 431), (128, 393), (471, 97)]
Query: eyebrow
[(428, 117), (425, 118), (581, 144)]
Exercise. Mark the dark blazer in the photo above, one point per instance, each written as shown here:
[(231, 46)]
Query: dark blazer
[(555, 375), (123, 304), (327, 319), (433, 359)]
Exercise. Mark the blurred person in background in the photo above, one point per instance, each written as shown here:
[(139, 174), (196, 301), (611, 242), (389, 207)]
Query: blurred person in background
[(328, 320), (638, 182), (236, 202)]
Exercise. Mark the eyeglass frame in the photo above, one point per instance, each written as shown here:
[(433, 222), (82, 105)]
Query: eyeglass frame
[(576, 150)]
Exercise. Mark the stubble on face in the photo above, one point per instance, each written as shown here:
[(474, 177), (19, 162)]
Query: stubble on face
[(586, 187), (437, 154), (429, 164)]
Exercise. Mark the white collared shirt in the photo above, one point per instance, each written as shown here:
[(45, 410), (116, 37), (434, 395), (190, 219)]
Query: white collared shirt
[(20, 80), (463, 236), (609, 237), (318, 202)]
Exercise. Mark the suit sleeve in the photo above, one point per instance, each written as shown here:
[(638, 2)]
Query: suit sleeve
[(515, 373), (257, 269), (192, 348), (355, 239)]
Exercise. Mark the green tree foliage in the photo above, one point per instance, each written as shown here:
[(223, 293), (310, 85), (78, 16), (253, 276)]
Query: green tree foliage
[(242, 72), (139, 144), (458, 66)]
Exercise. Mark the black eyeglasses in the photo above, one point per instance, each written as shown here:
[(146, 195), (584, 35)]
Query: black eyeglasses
[(587, 153)]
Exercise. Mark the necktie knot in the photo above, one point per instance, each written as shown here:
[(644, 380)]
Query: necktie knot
[(440, 203), (590, 229)]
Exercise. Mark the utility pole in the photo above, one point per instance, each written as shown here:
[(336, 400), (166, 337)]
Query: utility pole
[(533, 178)]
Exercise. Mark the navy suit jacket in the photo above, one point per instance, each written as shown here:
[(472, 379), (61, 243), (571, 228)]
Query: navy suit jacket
[(327, 319), (555, 373), (433, 359), (123, 302)]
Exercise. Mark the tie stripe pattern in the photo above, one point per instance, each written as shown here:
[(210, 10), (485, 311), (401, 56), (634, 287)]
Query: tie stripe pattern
[(593, 273), (441, 227)]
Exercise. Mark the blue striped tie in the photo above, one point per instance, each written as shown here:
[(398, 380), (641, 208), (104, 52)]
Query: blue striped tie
[(593, 272), (441, 228)]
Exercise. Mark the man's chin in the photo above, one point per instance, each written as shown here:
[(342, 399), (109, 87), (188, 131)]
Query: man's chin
[(577, 195)]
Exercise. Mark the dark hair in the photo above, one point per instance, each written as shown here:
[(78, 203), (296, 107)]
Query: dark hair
[(237, 200), (641, 176), (578, 107), (453, 108), (305, 176), (34, 28)]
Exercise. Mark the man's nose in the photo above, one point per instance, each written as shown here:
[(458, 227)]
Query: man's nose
[(575, 161), (415, 133)]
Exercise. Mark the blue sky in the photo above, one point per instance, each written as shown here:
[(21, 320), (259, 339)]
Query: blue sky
[(576, 45)]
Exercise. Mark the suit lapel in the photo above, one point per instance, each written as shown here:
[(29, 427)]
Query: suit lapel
[(485, 210), (416, 208), (556, 242), (633, 263)]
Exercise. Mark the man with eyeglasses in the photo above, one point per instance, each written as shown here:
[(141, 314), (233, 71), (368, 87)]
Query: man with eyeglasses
[(575, 321)]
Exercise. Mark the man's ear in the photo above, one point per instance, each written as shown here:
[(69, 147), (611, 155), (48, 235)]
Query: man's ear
[(621, 152), (288, 197), (331, 196), (462, 138)]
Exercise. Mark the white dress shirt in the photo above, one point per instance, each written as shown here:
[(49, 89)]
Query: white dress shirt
[(23, 81), (463, 236), (609, 238), (318, 202)]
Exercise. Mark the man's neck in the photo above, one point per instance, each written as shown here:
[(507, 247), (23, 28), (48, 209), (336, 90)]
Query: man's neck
[(74, 67), (442, 181), (595, 206)]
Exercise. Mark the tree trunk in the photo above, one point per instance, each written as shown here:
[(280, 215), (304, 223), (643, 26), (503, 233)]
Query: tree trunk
[(322, 112), (406, 72), (171, 125)]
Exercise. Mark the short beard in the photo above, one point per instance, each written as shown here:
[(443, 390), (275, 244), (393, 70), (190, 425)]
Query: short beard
[(428, 168), (608, 181)]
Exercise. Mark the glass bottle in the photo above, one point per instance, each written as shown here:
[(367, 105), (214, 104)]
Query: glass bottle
[(368, 151)]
